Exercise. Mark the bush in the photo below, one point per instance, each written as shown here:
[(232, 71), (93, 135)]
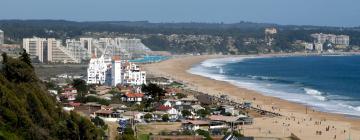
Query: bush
[(148, 117), (165, 117), (180, 95), (204, 133)]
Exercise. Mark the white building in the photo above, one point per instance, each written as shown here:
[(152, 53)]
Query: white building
[(335, 39), (117, 72), (48, 50), (124, 72), (133, 75), (1, 37), (319, 47), (96, 72), (269, 35)]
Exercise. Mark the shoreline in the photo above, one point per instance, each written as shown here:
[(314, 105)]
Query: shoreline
[(198, 69), (176, 69)]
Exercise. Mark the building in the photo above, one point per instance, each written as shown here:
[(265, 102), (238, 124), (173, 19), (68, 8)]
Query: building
[(318, 47), (1, 37), (124, 72), (308, 46), (269, 35), (96, 72), (194, 125), (12, 50), (48, 50), (36, 47), (133, 97), (133, 75), (335, 39)]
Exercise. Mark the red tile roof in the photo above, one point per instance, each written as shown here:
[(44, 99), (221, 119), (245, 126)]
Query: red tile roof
[(134, 95), (102, 111), (74, 104), (116, 58), (163, 108)]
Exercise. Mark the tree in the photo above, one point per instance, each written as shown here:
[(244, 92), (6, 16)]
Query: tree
[(17, 71), (99, 122), (5, 58), (24, 56), (185, 113), (204, 133), (27, 111), (154, 91), (203, 113), (165, 117), (80, 86), (180, 95), (148, 117)]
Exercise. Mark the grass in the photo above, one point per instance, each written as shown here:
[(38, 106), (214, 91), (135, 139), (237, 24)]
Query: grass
[(144, 137)]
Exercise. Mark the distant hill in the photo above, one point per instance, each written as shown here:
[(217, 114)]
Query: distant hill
[(28, 112), (240, 34)]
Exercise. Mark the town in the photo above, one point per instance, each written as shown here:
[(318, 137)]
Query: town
[(120, 97)]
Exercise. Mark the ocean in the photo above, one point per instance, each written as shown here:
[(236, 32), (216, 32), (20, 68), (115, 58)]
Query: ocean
[(325, 83)]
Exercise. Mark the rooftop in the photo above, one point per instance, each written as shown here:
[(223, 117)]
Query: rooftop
[(134, 95), (196, 122)]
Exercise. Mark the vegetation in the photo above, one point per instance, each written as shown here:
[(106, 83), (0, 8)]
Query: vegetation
[(83, 99), (27, 111), (180, 95), (154, 91), (155, 35), (81, 86), (204, 133), (165, 117), (127, 135), (185, 113), (203, 112), (99, 123), (148, 117)]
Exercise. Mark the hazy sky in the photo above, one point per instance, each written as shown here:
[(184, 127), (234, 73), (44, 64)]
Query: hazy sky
[(298, 12)]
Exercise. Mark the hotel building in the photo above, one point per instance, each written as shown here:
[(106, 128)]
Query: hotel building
[(335, 39)]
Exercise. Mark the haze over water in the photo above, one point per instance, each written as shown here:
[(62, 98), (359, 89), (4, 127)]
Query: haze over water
[(326, 83)]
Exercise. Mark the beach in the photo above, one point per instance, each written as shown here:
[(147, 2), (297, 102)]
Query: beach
[(296, 119)]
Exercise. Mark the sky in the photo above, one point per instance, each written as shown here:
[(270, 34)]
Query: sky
[(343, 13)]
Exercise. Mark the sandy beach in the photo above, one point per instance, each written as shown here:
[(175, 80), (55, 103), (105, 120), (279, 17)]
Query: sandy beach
[(306, 123)]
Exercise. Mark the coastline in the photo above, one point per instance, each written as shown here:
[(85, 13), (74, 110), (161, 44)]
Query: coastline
[(176, 69)]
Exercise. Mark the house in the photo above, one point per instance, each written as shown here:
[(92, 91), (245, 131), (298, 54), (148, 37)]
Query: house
[(190, 100), (68, 96), (194, 125), (71, 106), (174, 101), (180, 108), (197, 107), (172, 112), (229, 109), (133, 97), (222, 122), (55, 92), (72, 90), (136, 115), (167, 103)]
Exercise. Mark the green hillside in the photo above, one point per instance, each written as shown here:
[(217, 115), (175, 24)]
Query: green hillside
[(27, 111)]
